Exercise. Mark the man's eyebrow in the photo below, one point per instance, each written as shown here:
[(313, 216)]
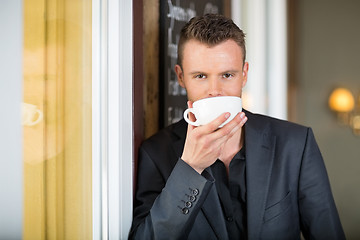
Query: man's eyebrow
[(223, 72), (230, 71), (197, 72)]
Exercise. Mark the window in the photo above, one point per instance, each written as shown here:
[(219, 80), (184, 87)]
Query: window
[(57, 119)]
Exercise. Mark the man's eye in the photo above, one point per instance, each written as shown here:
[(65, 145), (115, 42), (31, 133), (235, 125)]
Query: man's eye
[(200, 76), (227, 75)]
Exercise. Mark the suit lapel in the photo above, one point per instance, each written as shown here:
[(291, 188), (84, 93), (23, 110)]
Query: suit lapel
[(260, 149)]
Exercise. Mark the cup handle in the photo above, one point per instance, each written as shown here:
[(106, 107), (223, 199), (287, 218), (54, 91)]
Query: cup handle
[(186, 112), (39, 118)]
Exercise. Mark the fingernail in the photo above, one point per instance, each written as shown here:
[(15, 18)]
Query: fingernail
[(227, 115), (242, 115)]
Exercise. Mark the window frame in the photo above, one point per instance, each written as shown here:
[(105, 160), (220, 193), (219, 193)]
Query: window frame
[(112, 118)]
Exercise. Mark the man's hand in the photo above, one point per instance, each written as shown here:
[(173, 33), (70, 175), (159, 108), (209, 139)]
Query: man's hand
[(204, 144)]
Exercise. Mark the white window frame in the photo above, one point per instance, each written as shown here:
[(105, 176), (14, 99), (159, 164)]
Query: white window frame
[(112, 118)]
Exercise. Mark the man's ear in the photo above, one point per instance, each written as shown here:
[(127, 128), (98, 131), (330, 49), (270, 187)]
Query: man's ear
[(180, 75), (245, 73)]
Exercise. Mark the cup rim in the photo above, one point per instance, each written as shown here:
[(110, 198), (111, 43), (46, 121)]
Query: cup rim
[(208, 98)]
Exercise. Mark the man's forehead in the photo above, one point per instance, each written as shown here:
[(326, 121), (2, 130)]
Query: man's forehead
[(225, 55), (196, 44)]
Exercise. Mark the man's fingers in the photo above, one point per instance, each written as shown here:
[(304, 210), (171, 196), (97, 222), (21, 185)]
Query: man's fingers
[(214, 125), (221, 136), (212, 130), (231, 127)]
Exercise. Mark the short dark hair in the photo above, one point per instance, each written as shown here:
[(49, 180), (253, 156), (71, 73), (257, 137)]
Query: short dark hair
[(210, 29)]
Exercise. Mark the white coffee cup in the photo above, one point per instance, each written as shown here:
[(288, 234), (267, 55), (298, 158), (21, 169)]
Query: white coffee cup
[(208, 109), (31, 115)]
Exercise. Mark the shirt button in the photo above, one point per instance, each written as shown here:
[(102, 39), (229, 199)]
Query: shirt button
[(188, 204), (229, 219), (195, 192), (185, 210)]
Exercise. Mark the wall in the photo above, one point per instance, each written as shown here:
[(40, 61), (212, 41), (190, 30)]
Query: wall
[(327, 53)]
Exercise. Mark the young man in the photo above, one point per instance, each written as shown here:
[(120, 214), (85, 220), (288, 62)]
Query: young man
[(264, 179)]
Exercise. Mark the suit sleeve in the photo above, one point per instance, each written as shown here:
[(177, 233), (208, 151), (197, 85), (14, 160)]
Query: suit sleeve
[(166, 208), (319, 216)]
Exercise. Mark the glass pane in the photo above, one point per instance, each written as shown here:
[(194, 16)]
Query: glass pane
[(56, 117)]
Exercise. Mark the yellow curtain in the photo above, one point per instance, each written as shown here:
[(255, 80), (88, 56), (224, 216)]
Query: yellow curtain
[(56, 116)]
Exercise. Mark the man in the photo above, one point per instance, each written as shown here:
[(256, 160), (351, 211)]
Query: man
[(261, 180)]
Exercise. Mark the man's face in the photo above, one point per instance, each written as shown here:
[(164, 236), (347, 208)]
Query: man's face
[(212, 71)]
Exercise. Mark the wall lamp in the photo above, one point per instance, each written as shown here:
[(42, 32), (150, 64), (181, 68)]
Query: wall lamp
[(346, 107)]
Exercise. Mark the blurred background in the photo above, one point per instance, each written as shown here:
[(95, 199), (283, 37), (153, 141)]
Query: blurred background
[(326, 50), (69, 131)]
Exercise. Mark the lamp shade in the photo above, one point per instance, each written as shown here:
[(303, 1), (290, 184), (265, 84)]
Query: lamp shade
[(341, 100)]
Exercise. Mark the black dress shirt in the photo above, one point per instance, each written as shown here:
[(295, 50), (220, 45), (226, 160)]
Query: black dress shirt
[(232, 194)]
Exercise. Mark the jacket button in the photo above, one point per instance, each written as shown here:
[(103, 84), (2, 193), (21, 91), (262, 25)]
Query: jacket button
[(192, 198), (229, 219), (195, 192), (188, 204), (185, 210)]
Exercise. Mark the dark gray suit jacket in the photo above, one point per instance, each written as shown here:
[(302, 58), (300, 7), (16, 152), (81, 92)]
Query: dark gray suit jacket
[(288, 190)]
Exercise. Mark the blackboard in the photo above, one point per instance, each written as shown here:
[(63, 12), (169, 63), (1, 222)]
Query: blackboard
[(173, 16)]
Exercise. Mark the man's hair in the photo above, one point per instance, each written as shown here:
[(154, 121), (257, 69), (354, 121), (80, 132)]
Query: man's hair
[(210, 29)]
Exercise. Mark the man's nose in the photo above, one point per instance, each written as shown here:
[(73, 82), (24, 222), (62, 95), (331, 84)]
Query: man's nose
[(214, 88)]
